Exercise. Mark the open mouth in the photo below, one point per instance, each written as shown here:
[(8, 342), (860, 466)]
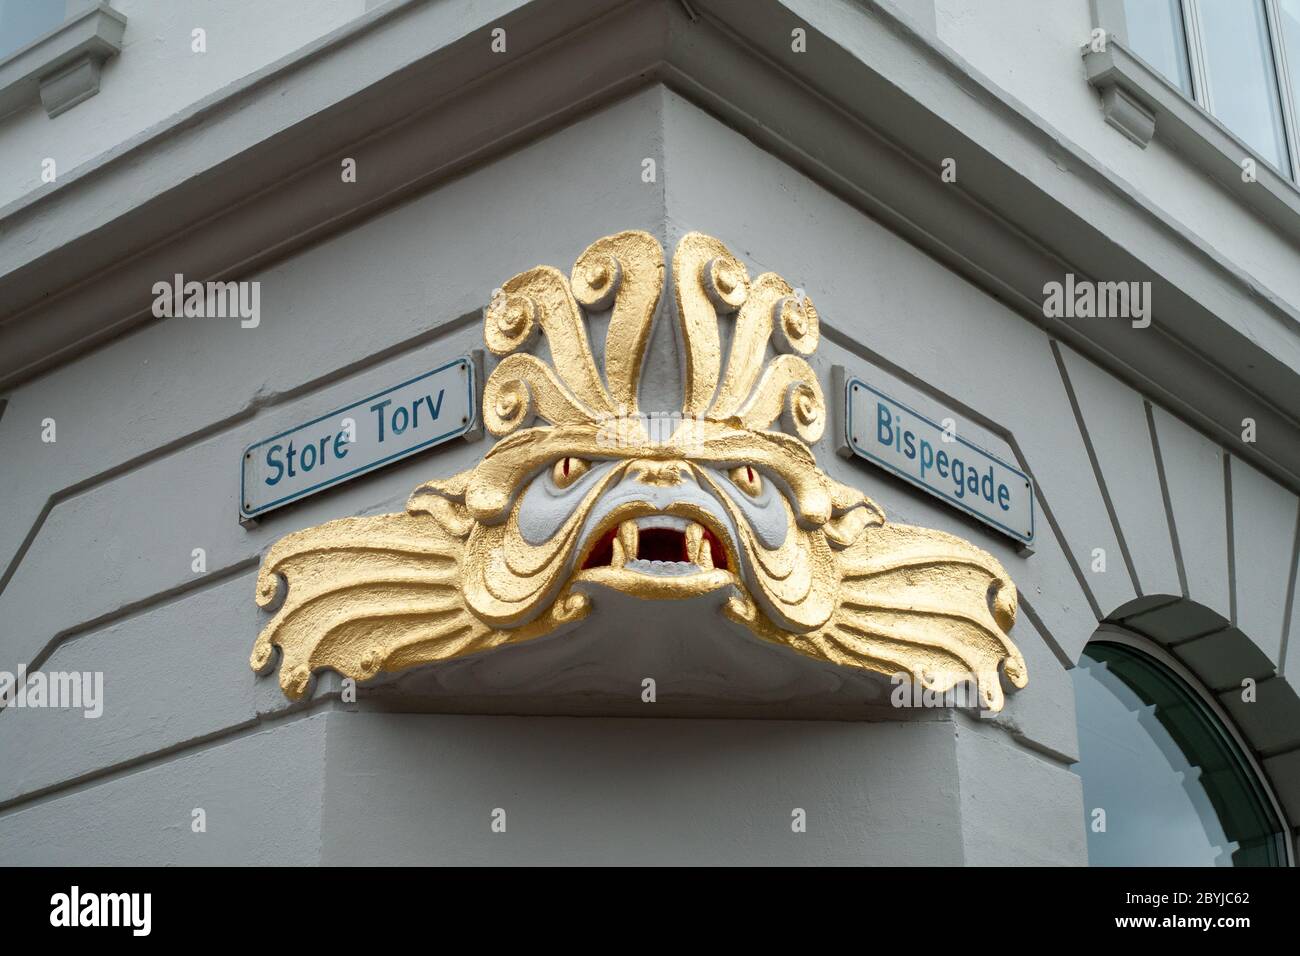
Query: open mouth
[(661, 545)]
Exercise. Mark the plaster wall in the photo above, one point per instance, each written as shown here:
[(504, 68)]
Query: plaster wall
[(157, 75), (99, 528)]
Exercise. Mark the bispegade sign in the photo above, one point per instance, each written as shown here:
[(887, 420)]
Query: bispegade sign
[(917, 449)]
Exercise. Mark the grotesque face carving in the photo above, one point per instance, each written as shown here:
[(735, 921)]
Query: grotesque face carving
[(584, 493)]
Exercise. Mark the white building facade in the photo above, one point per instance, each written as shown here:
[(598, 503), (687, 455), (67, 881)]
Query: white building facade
[(1066, 231)]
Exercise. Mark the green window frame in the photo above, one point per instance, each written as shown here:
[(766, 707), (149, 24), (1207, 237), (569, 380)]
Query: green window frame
[(1198, 745)]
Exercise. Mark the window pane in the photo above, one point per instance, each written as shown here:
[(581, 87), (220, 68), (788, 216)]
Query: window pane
[(1289, 15), (1175, 787), (1155, 33), (22, 21), (1242, 80)]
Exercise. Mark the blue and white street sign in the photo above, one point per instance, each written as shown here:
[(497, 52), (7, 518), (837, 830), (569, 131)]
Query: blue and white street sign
[(427, 410), (906, 443)]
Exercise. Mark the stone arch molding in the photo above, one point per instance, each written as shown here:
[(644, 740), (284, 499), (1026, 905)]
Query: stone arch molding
[(611, 521), (1260, 703), (1204, 553)]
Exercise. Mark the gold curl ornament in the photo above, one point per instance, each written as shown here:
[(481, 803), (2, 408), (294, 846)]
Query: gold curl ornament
[(798, 325), (510, 323)]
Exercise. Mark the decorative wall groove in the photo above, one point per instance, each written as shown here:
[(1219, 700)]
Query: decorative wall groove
[(1288, 609), (1232, 543), (1096, 469), (306, 708), (1164, 495), (143, 606)]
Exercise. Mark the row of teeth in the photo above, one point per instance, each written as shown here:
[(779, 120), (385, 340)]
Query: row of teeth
[(661, 567), (627, 539)]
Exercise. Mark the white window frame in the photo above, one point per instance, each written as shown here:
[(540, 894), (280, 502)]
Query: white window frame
[(1109, 15), (1282, 74), (1142, 103), (1194, 35)]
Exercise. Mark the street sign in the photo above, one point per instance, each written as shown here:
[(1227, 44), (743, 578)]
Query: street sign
[(419, 413), (927, 454)]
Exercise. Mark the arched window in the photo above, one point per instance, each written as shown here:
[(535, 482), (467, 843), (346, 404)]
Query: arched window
[(1173, 786)]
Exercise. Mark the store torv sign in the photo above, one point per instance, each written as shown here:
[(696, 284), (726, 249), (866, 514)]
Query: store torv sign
[(905, 443), (427, 410)]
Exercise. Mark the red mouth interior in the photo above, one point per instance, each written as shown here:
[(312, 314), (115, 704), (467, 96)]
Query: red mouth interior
[(654, 544)]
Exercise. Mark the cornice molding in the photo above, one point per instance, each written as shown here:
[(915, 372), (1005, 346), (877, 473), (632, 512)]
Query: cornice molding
[(248, 179)]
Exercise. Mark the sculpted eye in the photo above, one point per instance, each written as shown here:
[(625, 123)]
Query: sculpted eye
[(747, 479), (567, 470)]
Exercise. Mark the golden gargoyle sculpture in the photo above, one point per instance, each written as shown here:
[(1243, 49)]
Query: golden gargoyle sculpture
[(723, 494)]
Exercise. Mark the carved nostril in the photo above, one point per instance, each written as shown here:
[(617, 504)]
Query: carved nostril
[(661, 473)]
